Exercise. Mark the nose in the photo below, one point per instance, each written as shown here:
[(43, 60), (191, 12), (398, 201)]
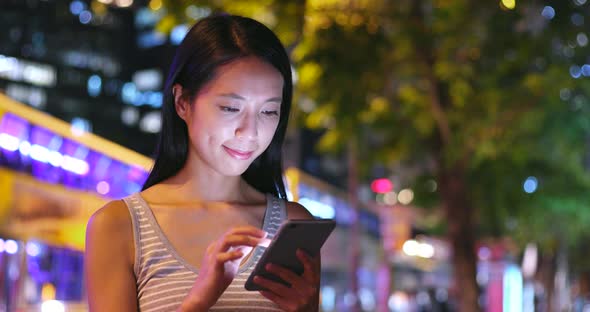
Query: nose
[(247, 129)]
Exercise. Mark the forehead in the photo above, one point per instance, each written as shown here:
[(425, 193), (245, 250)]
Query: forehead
[(247, 77)]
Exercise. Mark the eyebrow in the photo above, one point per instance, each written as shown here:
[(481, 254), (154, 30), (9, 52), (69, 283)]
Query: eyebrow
[(238, 97)]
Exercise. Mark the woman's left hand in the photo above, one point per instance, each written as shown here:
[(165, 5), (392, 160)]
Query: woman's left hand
[(303, 295)]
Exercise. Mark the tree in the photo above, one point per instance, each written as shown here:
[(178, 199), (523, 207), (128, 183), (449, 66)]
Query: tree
[(474, 93), (479, 96)]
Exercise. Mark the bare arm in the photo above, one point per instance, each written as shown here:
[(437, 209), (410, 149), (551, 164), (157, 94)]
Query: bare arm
[(109, 258)]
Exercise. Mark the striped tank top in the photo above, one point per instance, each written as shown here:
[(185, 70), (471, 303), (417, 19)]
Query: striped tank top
[(164, 278)]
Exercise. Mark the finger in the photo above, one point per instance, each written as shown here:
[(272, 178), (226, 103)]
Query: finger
[(277, 288), (296, 281), (280, 301), (229, 256), (247, 230), (309, 267), (238, 240)]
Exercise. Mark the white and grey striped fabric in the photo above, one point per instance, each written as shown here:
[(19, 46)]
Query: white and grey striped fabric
[(164, 278)]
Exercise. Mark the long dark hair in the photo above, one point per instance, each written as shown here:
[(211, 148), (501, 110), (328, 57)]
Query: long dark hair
[(209, 44)]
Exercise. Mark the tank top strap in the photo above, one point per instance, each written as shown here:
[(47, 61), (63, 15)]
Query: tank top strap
[(138, 220), (276, 213)]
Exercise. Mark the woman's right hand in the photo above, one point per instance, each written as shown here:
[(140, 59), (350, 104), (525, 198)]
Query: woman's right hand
[(220, 265)]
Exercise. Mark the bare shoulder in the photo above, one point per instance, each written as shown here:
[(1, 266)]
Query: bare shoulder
[(297, 211), (109, 256), (111, 225), (114, 216)]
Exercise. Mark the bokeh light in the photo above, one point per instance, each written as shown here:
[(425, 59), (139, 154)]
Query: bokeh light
[(33, 249), (575, 71), (405, 196), (530, 185), (582, 39), (11, 246), (548, 12), (381, 186), (509, 4), (103, 187), (85, 17), (390, 198), (76, 7), (577, 19)]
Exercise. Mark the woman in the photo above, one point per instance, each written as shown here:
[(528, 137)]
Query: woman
[(190, 238)]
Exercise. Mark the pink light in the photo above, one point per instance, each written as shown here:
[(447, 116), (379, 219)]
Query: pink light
[(381, 186), (103, 187)]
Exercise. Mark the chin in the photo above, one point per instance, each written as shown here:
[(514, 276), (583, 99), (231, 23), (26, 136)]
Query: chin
[(233, 171)]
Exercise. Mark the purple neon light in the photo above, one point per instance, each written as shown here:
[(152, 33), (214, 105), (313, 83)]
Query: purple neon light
[(43, 154), (14, 126), (60, 160)]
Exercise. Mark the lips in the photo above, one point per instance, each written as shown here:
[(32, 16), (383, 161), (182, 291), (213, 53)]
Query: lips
[(238, 154)]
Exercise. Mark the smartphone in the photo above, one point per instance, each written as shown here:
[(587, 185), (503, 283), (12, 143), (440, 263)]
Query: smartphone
[(308, 235)]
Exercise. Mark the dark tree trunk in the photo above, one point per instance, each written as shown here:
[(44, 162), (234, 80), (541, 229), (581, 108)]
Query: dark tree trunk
[(547, 272), (355, 226), (460, 219)]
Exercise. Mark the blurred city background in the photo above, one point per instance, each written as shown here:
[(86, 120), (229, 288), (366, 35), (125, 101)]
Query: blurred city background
[(450, 140)]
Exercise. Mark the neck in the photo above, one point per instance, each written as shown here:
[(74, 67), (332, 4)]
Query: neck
[(196, 181)]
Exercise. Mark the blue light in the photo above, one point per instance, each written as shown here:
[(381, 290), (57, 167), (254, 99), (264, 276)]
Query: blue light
[(577, 19), (131, 188), (328, 298), (85, 17), (150, 39), (530, 185), (128, 92), (94, 85), (548, 12), (512, 289), (76, 7), (575, 71), (318, 209), (582, 39), (178, 33), (586, 70), (138, 100), (155, 99), (81, 124), (145, 17)]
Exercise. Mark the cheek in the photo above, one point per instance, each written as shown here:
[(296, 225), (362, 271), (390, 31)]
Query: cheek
[(207, 129), (269, 130), (211, 133)]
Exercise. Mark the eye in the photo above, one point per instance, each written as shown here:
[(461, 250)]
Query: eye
[(270, 112), (228, 109)]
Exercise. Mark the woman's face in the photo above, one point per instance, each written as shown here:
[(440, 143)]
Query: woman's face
[(233, 118)]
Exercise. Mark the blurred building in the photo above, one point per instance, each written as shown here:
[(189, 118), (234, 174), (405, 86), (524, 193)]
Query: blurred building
[(89, 63)]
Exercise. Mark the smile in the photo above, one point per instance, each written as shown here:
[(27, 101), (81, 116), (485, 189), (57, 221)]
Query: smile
[(237, 154)]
